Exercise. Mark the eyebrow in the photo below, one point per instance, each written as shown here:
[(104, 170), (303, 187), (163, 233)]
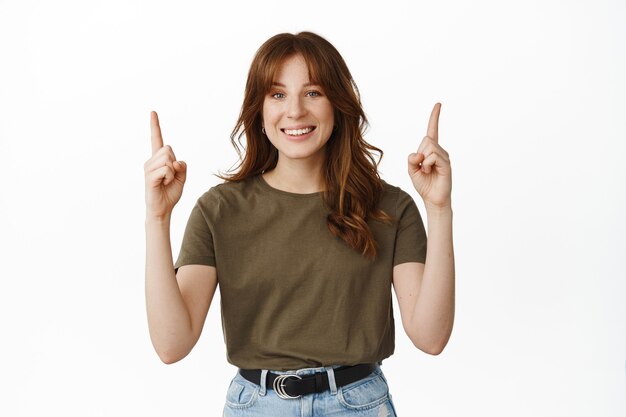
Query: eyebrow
[(283, 85)]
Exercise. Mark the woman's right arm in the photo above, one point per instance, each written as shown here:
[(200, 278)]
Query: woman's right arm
[(176, 304)]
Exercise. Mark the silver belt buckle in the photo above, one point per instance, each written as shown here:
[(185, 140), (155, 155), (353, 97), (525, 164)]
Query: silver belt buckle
[(279, 385)]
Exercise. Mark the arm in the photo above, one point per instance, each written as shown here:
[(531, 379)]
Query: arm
[(425, 292), (177, 304)]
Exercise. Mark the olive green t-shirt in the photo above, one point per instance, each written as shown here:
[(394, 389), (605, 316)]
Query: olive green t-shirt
[(292, 294)]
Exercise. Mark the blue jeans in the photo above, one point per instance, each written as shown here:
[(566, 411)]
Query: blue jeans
[(364, 398)]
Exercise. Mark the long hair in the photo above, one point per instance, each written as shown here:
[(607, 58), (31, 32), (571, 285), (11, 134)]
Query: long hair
[(353, 186)]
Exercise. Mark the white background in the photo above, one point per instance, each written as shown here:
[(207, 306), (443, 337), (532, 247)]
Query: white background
[(533, 116)]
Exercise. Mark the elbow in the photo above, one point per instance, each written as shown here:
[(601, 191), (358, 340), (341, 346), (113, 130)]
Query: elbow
[(170, 353), (432, 346), (169, 357), (433, 349), (431, 342)]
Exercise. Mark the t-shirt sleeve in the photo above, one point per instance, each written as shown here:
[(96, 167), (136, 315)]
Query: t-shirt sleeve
[(197, 246), (411, 235)]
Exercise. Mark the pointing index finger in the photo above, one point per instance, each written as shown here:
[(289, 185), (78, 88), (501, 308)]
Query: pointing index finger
[(155, 130), (433, 123)]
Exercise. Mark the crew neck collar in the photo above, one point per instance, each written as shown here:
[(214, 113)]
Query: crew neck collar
[(259, 178)]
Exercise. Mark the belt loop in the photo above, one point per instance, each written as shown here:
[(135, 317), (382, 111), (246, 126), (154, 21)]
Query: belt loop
[(263, 382), (331, 380)]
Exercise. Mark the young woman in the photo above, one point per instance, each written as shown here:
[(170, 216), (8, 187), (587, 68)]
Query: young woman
[(306, 241)]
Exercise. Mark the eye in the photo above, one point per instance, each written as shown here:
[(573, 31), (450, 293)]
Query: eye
[(313, 93), (278, 95)]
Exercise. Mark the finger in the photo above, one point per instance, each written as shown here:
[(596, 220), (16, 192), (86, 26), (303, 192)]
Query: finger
[(162, 157), (168, 149), (414, 160), (164, 162), (430, 161), (164, 175), (181, 170), (179, 166), (429, 146), (433, 123), (434, 148), (427, 143), (155, 130)]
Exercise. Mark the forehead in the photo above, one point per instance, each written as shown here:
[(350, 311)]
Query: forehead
[(292, 70)]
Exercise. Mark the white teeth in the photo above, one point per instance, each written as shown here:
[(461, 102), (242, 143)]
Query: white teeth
[(298, 132)]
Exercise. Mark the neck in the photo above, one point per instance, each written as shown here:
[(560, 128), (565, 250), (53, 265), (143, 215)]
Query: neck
[(301, 177)]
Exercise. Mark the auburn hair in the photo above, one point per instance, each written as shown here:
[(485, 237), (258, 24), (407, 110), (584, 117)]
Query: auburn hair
[(353, 187)]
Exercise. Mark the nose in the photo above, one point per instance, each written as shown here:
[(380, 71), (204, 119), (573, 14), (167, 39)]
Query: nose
[(295, 108)]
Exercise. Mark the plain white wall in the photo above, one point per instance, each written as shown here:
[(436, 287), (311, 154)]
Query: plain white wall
[(534, 103)]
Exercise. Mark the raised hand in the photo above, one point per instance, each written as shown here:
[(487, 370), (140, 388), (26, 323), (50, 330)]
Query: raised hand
[(165, 176), (429, 167)]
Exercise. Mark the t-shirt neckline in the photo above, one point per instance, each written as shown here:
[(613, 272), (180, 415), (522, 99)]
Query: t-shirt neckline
[(259, 178)]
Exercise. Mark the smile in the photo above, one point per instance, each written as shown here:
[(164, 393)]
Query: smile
[(299, 132)]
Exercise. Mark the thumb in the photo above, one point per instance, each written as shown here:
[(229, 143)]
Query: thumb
[(414, 160)]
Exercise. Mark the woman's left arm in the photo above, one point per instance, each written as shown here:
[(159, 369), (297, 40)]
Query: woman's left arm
[(425, 292)]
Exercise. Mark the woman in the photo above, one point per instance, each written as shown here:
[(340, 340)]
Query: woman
[(306, 240)]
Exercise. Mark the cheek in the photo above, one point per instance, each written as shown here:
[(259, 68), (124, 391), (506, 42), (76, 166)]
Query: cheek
[(329, 114), (329, 123), (330, 120), (270, 115)]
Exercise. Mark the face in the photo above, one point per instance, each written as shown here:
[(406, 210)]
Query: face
[(297, 115)]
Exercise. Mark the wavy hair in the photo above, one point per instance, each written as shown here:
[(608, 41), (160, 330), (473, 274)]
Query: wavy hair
[(353, 187)]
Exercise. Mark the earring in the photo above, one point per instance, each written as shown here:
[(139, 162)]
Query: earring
[(263, 130)]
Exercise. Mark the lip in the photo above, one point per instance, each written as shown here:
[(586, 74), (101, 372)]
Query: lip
[(297, 127), (301, 137)]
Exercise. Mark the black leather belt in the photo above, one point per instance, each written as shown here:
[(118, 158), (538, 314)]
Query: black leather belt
[(294, 386)]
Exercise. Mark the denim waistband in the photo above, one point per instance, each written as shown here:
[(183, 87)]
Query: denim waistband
[(309, 371)]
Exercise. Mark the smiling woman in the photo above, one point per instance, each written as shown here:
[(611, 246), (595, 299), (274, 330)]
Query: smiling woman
[(306, 240)]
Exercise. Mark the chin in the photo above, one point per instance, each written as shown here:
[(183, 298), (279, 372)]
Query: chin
[(301, 154)]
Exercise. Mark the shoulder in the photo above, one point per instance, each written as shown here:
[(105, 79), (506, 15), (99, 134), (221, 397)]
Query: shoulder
[(394, 199), (392, 190), (229, 193)]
